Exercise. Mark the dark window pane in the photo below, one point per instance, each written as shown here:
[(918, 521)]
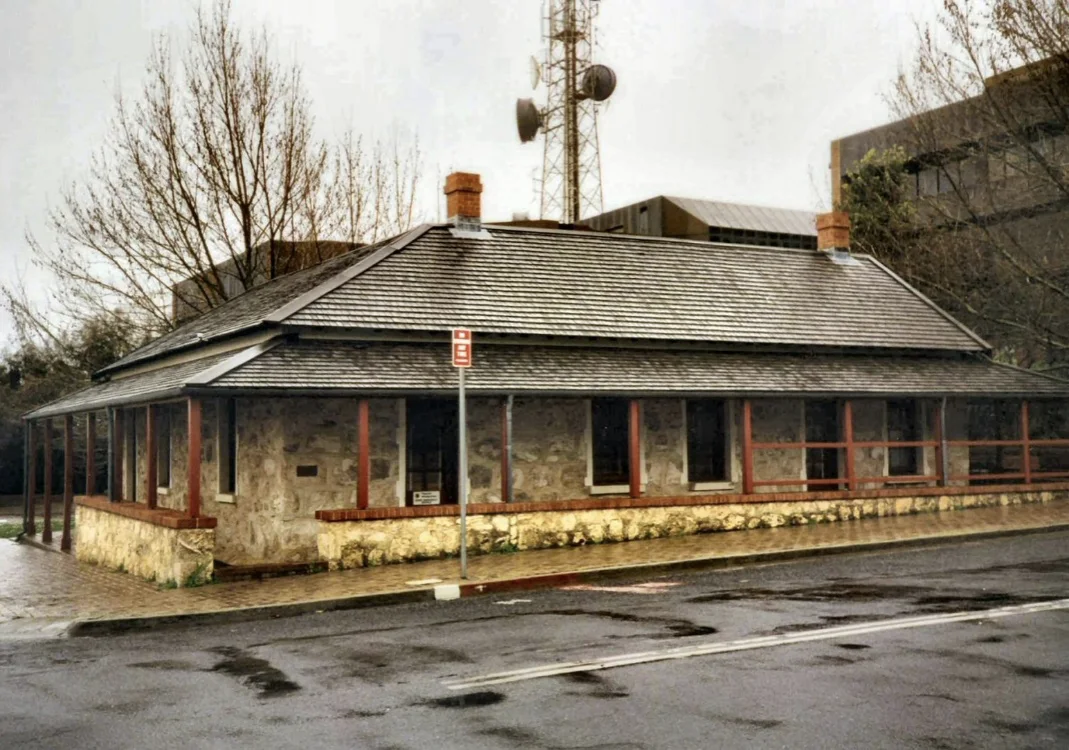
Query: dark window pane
[(822, 426), (163, 445), (610, 427), (432, 448), (992, 419), (230, 463), (903, 425), (706, 440)]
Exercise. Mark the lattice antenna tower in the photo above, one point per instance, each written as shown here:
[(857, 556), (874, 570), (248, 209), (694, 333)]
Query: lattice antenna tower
[(571, 162)]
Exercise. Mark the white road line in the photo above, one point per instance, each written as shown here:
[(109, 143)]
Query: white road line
[(747, 644)]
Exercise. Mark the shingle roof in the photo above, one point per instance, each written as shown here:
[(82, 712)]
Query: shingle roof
[(742, 216), (325, 365), (558, 283), (164, 382), (322, 366), (561, 283), (244, 311)]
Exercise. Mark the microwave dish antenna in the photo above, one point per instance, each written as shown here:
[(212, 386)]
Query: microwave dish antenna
[(575, 86)]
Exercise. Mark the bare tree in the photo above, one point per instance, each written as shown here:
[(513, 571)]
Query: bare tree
[(987, 102), (216, 156)]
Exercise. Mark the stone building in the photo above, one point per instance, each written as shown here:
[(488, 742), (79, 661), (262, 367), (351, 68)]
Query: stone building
[(623, 387)]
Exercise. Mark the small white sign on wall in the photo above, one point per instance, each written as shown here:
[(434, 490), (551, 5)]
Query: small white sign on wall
[(427, 497)]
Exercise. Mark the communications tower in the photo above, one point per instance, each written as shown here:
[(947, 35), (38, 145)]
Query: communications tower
[(571, 162)]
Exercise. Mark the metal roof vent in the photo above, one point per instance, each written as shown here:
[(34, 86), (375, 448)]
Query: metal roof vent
[(842, 257)]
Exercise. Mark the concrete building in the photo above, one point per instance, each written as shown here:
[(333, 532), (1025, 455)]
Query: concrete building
[(712, 221), (974, 169), (623, 387), (233, 276)]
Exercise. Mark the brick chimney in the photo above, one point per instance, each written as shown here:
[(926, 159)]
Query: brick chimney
[(463, 200), (833, 231)]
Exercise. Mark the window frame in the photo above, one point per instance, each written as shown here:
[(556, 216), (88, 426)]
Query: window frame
[(226, 448), (164, 449), (596, 483)]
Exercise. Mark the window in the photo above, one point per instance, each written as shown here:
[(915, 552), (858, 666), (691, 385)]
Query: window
[(1049, 420), (431, 464), (644, 220), (928, 181), (822, 426), (707, 457), (227, 439), (163, 446), (903, 425), (994, 420), (130, 428), (610, 428)]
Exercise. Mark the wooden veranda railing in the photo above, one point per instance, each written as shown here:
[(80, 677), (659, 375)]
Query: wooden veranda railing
[(1027, 474)]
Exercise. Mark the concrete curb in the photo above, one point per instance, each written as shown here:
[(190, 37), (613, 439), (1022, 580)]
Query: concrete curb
[(114, 626)]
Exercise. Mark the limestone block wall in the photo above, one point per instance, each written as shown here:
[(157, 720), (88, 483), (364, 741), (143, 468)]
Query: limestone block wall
[(270, 518), (778, 421), (156, 553), (353, 544), (870, 423), (549, 449), (664, 443), (957, 421), (271, 515), (484, 449)]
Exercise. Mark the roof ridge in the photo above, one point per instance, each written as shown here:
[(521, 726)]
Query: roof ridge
[(736, 203), (644, 237), (296, 304)]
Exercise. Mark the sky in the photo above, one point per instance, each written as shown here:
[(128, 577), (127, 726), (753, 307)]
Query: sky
[(733, 100)]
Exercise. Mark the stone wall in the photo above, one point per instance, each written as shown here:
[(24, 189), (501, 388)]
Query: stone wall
[(484, 449), (271, 515), (549, 449), (270, 518), (778, 421), (664, 443), (353, 544), (169, 556), (870, 417)]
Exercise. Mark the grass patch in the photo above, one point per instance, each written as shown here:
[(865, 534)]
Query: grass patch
[(12, 530)]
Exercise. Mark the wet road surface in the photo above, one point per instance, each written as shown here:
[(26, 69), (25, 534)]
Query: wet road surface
[(381, 678)]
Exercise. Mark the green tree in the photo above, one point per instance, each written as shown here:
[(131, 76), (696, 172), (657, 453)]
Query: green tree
[(35, 373), (876, 195)]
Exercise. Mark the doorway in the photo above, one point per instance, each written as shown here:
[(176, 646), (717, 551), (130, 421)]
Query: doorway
[(432, 443)]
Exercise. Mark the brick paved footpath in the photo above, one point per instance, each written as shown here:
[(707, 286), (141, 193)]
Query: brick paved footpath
[(51, 588)]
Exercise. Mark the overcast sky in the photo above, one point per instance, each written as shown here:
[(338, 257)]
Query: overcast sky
[(733, 100)]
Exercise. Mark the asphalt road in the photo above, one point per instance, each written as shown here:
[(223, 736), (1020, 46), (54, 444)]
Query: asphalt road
[(377, 678)]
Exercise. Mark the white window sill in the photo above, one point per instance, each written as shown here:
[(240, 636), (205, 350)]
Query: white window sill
[(612, 489), (711, 486), (225, 497), (163, 490)]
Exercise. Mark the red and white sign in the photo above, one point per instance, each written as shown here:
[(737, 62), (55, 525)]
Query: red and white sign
[(461, 347)]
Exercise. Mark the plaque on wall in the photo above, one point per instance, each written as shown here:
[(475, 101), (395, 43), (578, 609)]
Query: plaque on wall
[(427, 497)]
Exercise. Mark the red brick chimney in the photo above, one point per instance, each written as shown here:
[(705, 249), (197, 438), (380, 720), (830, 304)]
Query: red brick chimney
[(463, 201), (833, 231)]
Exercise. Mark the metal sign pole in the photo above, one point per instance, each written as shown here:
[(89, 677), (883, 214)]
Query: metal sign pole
[(463, 479)]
